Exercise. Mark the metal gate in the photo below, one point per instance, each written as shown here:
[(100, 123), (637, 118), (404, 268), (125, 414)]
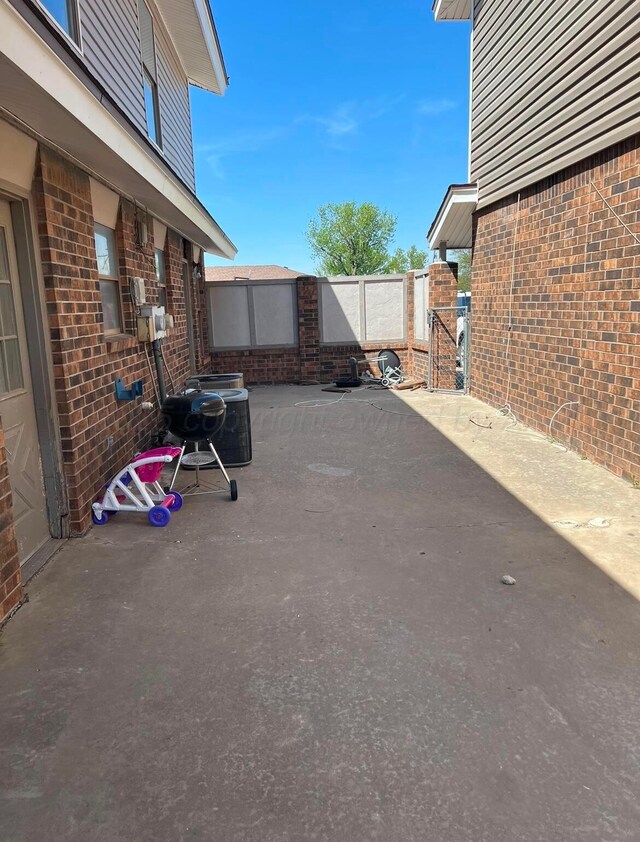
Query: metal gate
[(448, 349)]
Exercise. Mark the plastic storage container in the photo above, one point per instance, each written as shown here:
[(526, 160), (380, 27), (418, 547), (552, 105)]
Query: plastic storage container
[(215, 382)]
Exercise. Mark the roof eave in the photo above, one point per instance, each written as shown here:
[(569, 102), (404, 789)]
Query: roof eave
[(210, 73), (453, 222), (445, 10), (219, 81)]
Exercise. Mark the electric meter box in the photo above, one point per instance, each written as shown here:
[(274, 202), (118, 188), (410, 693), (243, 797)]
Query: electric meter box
[(138, 291), (152, 324)]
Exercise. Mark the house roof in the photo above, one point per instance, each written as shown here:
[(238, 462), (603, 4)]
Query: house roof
[(270, 272), (453, 224)]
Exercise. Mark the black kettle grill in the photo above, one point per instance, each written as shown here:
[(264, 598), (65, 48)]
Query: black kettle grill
[(194, 416), (197, 416)]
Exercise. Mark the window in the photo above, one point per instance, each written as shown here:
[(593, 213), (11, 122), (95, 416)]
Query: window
[(65, 14), (161, 278), (149, 73), (109, 281)]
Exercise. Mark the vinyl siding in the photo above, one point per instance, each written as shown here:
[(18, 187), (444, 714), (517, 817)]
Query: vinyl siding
[(175, 109), (552, 84), (111, 46)]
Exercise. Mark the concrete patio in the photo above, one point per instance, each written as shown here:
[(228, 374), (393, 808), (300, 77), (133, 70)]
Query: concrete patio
[(334, 656)]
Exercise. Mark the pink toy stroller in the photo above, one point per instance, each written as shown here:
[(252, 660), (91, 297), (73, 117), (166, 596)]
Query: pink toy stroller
[(136, 488)]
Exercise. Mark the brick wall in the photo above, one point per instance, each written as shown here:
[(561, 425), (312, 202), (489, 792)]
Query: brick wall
[(418, 349), (576, 307), (443, 288), (10, 585), (310, 361), (85, 363)]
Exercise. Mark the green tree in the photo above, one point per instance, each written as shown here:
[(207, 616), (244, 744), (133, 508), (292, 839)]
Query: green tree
[(402, 261), (351, 239), (463, 258)]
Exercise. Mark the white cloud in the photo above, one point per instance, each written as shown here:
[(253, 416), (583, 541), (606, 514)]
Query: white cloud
[(435, 106), (347, 118), (237, 144)]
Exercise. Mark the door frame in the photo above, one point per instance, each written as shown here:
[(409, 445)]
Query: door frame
[(31, 286)]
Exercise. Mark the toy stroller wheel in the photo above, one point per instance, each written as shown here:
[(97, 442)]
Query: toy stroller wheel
[(99, 519), (233, 485), (177, 501), (159, 516)]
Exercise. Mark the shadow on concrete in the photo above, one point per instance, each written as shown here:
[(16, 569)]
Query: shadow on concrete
[(332, 657)]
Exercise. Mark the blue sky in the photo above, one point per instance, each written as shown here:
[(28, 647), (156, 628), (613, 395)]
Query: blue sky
[(330, 102)]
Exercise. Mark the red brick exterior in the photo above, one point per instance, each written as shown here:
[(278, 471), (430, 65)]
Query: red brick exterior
[(85, 363), (443, 288), (10, 584), (575, 307)]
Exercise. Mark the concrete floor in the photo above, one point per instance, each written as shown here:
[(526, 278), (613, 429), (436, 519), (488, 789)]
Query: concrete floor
[(333, 656)]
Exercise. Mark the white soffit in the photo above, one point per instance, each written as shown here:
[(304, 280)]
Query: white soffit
[(453, 224), (452, 9), (193, 32)]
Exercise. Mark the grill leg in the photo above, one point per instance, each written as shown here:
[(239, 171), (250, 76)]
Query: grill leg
[(177, 468), (197, 450), (220, 465)]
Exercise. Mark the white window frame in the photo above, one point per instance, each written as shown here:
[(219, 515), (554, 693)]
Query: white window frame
[(148, 78), (112, 279), (75, 36), (161, 276)]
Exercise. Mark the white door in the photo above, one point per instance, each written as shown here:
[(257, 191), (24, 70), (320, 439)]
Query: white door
[(16, 405)]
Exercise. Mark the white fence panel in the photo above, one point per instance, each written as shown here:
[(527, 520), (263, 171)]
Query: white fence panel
[(384, 310), (230, 323), (368, 308), (273, 307), (259, 314), (340, 311)]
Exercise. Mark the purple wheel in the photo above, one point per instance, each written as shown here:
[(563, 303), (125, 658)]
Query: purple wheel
[(159, 516), (99, 519), (177, 502)]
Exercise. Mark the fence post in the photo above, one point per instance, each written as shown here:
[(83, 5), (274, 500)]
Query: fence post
[(443, 292), (308, 328), (411, 326)]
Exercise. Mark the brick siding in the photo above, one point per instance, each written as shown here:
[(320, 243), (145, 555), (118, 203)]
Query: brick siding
[(576, 307), (85, 363), (443, 289)]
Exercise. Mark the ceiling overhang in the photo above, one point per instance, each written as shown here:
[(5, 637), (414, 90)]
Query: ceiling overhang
[(192, 29), (453, 225), (452, 9)]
